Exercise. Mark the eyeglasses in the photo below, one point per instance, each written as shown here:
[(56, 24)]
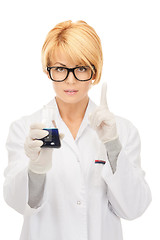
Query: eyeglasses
[(59, 74)]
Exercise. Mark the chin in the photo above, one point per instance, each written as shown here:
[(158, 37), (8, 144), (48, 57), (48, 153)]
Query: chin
[(71, 99)]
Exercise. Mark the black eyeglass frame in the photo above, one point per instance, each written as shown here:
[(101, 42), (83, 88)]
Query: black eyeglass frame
[(68, 71)]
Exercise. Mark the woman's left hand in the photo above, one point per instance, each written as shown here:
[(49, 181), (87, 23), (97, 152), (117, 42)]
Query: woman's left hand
[(103, 121)]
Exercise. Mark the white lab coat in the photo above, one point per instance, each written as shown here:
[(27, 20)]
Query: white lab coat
[(82, 200)]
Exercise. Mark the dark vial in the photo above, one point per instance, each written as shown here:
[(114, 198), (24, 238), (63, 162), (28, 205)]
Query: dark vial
[(52, 140)]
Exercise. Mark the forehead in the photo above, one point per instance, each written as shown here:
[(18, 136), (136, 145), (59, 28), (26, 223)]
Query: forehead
[(64, 58)]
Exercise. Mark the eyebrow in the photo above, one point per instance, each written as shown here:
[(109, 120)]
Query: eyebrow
[(60, 64), (65, 65)]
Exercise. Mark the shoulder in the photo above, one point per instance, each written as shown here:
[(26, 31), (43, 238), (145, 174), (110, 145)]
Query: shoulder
[(25, 121), (127, 130), (124, 123), (19, 129)]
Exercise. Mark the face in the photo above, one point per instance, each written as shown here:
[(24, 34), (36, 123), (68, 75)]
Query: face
[(71, 90)]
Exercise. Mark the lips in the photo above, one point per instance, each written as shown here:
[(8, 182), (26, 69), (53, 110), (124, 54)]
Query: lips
[(70, 91)]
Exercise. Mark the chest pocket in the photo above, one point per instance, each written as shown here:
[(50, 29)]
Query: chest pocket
[(99, 163)]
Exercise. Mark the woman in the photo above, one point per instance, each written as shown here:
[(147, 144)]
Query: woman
[(81, 190)]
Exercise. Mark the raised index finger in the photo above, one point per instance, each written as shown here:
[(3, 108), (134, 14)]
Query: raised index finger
[(103, 101)]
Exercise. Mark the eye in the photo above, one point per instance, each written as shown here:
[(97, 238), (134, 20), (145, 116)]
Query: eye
[(59, 69), (82, 69)]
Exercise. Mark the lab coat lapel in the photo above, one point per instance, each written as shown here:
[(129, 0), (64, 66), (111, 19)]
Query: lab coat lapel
[(85, 121), (68, 138)]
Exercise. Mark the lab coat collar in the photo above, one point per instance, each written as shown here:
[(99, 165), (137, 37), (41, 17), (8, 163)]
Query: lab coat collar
[(68, 138)]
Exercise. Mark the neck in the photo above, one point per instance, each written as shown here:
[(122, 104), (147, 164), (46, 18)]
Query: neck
[(72, 111)]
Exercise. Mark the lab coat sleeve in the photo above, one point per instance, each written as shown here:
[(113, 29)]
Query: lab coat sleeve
[(15, 187), (113, 149), (36, 188), (128, 192)]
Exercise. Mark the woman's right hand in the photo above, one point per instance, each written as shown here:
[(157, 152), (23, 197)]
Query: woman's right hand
[(40, 158)]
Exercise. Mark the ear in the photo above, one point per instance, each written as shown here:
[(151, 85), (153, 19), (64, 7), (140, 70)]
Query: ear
[(94, 78), (48, 75), (94, 75)]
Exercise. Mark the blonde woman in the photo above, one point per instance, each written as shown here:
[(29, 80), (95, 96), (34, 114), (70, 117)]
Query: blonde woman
[(81, 190)]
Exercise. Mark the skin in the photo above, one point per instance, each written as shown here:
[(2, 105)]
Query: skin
[(71, 107)]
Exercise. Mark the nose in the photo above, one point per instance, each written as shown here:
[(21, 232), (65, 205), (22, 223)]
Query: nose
[(71, 78)]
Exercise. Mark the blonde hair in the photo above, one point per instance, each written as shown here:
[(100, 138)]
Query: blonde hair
[(79, 41)]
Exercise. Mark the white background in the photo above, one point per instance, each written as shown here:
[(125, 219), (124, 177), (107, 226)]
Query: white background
[(130, 34)]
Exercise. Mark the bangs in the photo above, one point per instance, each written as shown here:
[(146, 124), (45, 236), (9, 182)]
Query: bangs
[(73, 51)]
